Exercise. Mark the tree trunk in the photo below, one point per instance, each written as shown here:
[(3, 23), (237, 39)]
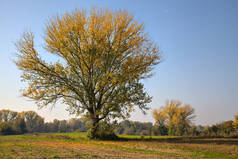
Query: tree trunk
[(92, 132)]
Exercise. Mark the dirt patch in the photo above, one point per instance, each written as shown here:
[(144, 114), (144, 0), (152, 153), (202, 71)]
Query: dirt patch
[(98, 152)]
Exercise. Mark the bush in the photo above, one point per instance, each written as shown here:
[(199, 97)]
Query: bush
[(142, 137), (233, 135), (105, 131), (6, 129), (145, 133)]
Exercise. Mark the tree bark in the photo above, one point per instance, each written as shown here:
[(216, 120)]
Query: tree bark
[(93, 131)]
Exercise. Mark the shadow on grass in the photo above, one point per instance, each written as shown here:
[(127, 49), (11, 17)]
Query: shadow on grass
[(189, 140)]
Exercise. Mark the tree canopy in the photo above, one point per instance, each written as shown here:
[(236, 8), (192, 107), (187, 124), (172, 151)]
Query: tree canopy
[(102, 57)]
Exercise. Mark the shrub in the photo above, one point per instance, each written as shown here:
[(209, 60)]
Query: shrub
[(6, 129), (105, 131), (145, 132)]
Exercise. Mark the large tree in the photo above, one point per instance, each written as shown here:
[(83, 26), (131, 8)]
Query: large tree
[(102, 58)]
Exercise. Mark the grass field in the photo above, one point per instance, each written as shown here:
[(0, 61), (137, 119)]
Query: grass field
[(76, 145)]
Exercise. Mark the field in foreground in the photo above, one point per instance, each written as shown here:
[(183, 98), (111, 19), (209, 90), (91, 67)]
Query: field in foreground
[(76, 145)]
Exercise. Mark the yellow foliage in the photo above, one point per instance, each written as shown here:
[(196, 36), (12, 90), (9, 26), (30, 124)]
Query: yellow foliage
[(235, 123), (173, 113)]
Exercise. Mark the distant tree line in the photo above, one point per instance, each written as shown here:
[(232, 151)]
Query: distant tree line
[(134, 128), (225, 128), (12, 122)]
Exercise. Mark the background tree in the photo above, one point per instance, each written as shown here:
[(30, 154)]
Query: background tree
[(183, 118), (102, 56), (63, 126), (170, 112), (77, 125), (19, 124), (13, 122), (194, 131), (134, 128), (34, 122), (235, 123), (160, 122), (48, 127), (7, 116), (225, 128), (176, 117), (55, 125)]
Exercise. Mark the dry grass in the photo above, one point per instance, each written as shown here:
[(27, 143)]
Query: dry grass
[(73, 145)]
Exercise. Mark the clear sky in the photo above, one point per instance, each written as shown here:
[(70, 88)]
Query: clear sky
[(198, 39)]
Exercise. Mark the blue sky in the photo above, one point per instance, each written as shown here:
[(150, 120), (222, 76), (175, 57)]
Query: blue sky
[(198, 39)]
